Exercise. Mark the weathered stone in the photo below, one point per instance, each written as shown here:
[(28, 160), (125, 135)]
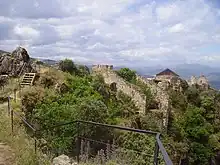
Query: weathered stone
[(21, 54), (201, 81), (62, 160), (16, 63), (159, 92), (3, 80), (110, 77), (61, 88)]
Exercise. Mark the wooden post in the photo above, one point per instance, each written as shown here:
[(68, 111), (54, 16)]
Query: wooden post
[(12, 121), (15, 95), (9, 109)]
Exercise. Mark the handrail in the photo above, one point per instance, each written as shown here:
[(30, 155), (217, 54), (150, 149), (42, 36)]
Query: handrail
[(105, 125), (158, 141), (159, 146), (28, 124), (163, 150)]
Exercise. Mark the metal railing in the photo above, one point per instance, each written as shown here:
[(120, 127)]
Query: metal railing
[(81, 125), (12, 114)]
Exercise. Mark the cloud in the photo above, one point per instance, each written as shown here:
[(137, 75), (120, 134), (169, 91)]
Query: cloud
[(177, 28), (119, 32)]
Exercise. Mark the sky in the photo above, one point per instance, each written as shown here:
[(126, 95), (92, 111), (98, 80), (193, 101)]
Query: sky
[(119, 32)]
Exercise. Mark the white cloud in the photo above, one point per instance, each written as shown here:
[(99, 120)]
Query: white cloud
[(26, 32), (177, 28), (122, 32), (168, 11)]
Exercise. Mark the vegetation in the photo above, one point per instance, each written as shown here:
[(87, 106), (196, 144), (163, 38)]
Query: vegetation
[(193, 131), (22, 145), (195, 124), (127, 74)]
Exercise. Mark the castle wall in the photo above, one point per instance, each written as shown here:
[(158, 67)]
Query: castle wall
[(160, 95), (201, 81), (158, 91), (131, 90)]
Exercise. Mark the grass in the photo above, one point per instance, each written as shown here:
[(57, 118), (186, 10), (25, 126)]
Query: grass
[(21, 144)]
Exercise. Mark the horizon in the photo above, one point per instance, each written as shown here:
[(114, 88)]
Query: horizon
[(133, 33)]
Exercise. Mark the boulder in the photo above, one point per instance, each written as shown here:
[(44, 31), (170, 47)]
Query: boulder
[(63, 160), (3, 80), (15, 63), (21, 54)]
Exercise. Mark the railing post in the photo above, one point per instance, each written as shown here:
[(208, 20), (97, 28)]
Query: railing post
[(156, 153), (15, 95), (78, 143), (12, 121), (9, 109), (35, 143)]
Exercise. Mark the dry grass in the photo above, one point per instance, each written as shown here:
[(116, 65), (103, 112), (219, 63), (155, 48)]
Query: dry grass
[(21, 144)]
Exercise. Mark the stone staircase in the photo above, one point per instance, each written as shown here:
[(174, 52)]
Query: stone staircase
[(28, 79)]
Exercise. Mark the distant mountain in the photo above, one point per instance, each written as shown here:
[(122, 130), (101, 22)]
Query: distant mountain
[(214, 79), (2, 51), (186, 71), (49, 62)]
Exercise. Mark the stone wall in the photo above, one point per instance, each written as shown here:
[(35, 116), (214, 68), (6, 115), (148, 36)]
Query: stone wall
[(131, 90), (159, 93), (201, 81)]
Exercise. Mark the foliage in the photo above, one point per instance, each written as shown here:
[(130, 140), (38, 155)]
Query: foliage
[(193, 130), (178, 100), (192, 94), (67, 65), (127, 74), (150, 102), (22, 145), (50, 78), (82, 70)]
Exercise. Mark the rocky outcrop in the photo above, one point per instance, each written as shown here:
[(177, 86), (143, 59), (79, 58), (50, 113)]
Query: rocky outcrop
[(15, 63)]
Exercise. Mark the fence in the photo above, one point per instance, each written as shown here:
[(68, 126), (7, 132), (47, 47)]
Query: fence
[(100, 145)]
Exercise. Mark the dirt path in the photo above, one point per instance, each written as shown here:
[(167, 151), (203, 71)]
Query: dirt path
[(6, 155)]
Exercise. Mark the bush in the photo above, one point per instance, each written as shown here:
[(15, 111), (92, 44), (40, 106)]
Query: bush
[(127, 74), (68, 65)]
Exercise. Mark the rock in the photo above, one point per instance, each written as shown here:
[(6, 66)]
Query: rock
[(15, 63), (21, 54), (62, 160), (3, 80), (61, 88)]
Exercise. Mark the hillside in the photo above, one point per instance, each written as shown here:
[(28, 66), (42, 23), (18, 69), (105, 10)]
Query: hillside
[(2, 51), (186, 114)]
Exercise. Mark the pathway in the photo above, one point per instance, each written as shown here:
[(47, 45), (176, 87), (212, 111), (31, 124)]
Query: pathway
[(6, 155)]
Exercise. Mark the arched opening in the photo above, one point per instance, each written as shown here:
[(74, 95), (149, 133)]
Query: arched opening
[(113, 87)]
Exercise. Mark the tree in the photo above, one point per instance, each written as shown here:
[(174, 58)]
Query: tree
[(192, 95), (83, 70), (67, 65), (127, 74)]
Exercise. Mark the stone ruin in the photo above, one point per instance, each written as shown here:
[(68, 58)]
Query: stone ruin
[(159, 93), (118, 83), (16, 63), (201, 81)]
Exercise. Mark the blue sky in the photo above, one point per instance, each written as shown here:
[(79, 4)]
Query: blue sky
[(118, 32)]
